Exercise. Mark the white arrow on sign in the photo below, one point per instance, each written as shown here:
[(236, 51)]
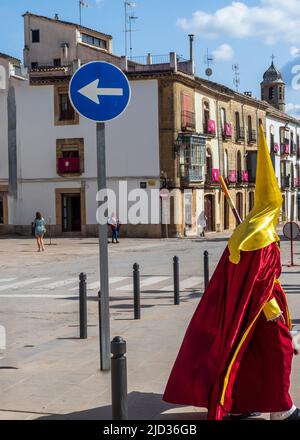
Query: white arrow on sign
[(92, 91)]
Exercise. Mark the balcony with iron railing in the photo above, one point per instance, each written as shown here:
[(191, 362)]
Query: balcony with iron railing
[(240, 134), (275, 147), (285, 148), (232, 177), (285, 182), (252, 137), (242, 177), (67, 115), (293, 148), (209, 128), (212, 177), (227, 131), (188, 121), (159, 63), (251, 176), (67, 165)]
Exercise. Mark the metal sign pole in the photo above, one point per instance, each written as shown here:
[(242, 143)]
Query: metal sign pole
[(104, 327), (97, 104)]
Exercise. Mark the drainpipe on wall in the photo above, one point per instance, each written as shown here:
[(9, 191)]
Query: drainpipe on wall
[(221, 156), (12, 142)]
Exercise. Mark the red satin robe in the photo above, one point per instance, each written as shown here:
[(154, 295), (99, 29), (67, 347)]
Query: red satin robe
[(232, 359)]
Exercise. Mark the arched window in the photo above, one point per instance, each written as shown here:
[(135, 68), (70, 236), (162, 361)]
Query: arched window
[(272, 138), (209, 165), (206, 116), (271, 93), (237, 120), (250, 131), (226, 168), (292, 149), (223, 117), (251, 200), (249, 123), (237, 126), (239, 166), (292, 175), (239, 204)]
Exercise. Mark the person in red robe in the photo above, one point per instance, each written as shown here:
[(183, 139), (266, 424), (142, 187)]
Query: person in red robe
[(236, 356)]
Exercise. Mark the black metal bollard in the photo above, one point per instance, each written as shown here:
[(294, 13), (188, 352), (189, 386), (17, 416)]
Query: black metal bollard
[(206, 269), (136, 291), (119, 379), (82, 306), (176, 281)]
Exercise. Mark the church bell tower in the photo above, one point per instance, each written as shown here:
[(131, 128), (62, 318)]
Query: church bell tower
[(273, 87)]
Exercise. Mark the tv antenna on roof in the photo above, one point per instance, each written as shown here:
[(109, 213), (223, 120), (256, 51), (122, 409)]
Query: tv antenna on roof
[(131, 18), (208, 60), (82, 4), (236, 78), (127, 5)]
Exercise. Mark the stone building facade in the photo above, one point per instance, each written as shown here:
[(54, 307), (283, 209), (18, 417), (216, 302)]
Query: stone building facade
[(180, 133)]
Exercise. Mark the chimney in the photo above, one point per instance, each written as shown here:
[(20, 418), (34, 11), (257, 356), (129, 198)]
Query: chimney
[(191, 37)]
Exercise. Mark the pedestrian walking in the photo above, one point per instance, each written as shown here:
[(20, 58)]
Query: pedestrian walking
[(236, 356), (114, 223), (203, 224), (39, 231)]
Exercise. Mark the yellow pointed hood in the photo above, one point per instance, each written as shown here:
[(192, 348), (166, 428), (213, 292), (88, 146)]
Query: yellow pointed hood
[(259, 228)]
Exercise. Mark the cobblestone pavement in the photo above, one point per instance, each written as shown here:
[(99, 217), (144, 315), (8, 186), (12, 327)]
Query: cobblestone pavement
[(47, 372)]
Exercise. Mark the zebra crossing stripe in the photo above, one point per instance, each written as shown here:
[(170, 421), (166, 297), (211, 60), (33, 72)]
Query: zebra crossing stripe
[(185, 284), (57, 284), (19, 284), (35, 295), (6, 280), (96, 284), (144, 283)]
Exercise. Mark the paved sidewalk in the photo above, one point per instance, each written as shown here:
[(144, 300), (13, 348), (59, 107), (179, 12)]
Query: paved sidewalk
[(48, 373)]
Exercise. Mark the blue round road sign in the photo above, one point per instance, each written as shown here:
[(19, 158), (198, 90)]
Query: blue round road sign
[(99, 91)]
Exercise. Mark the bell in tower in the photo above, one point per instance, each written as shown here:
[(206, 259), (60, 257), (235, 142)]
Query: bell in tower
[(273, 87)]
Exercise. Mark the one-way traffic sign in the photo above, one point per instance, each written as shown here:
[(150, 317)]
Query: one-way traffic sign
[(99, 91)]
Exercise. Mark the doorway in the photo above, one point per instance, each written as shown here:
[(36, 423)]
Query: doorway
[(226, 214), (209, 212), (71, 212), (1, 209), (188, 212), (239, 204)]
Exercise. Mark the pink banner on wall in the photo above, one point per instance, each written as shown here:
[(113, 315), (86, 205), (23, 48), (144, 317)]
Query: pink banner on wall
[(276, 148), (232, 176), (245, 176), (211, 126), (215, 174), (287, 149), (228, 129)]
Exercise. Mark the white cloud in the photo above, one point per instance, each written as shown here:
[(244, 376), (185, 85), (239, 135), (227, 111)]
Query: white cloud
[(272, 20), (295, 51), (293, 109), (223, 53)]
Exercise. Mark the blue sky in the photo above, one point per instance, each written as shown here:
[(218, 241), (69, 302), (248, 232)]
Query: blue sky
[(244, 32)]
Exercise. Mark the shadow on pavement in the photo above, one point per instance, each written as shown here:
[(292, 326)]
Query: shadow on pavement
[(141, 406)]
